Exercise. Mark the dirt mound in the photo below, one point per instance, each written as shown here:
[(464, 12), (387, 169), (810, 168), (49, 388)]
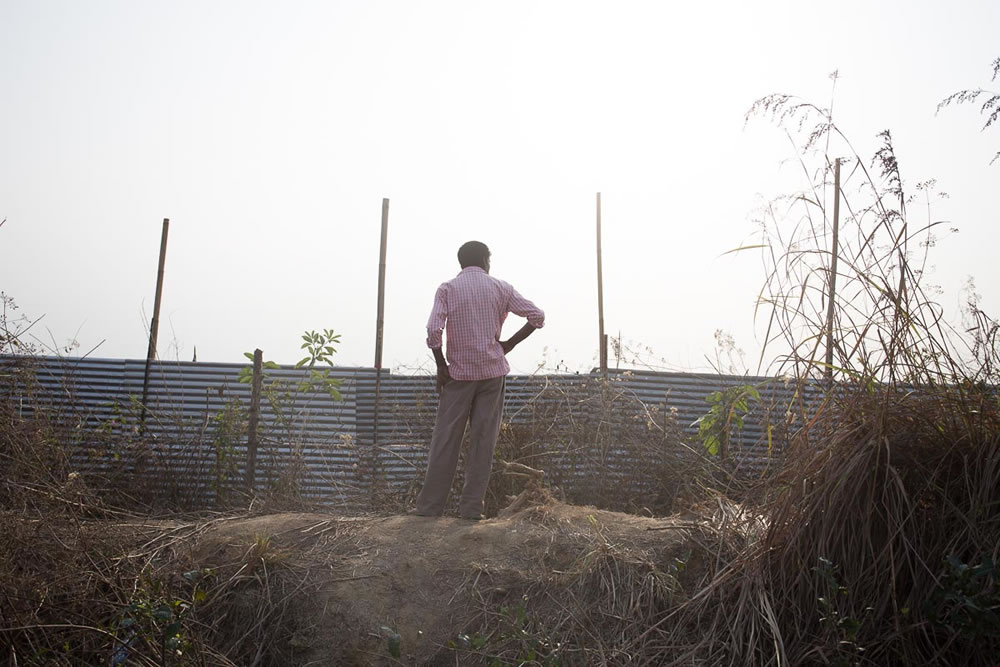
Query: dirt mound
[(420, 589)]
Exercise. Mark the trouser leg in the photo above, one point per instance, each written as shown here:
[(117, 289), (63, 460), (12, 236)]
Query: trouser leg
[(446, 443), (486, 413)]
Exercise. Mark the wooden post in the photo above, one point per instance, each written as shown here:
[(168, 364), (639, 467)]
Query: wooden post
[(379, 321), (379, 326), (155, 325), (835, 249), (254, 418), (602, 339)]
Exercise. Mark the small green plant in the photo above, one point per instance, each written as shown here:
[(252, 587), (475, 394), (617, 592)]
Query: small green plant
[(534, 649), (156, 619), (968, 599), (393, 641), (728, 407), (230, 429), (285, 398), (320, 349), (844, 627), (246, 373), (515, 630)]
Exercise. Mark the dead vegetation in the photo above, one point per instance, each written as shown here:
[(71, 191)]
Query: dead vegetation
[(875, 543), (884, 524), (874, 547)]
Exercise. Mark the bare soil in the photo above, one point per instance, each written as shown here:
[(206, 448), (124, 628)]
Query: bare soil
[(371, 584)]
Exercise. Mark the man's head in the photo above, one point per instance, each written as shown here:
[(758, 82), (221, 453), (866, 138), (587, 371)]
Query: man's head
[(474, 253)]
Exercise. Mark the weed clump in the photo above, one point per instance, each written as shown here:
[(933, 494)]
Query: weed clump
[(883, 524)]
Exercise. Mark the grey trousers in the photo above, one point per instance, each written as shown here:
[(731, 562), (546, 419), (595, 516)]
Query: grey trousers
[(478, 403)]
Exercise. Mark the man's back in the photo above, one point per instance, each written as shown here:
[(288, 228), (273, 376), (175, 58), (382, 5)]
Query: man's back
[(472, 308)]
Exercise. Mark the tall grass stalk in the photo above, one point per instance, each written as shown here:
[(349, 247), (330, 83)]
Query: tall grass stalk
[(890, 495)]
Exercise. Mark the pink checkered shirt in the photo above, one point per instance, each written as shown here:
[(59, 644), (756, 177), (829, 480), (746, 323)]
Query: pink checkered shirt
[(471, 308)]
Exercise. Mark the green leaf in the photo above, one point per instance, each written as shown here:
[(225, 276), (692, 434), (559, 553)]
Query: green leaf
[(956, 564), (742, 248), (302, 362), (393, 641), (248, 355)]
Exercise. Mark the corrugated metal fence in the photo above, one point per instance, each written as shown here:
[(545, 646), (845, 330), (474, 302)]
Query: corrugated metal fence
[(327, 450)]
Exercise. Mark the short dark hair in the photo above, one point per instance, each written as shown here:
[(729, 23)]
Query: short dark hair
[(472, 253)]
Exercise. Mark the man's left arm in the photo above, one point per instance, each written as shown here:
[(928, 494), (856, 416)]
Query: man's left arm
[(528, 310), (521, 334)]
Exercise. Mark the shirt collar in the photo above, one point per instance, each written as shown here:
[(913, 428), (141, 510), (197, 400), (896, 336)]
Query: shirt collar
[(472, 268)]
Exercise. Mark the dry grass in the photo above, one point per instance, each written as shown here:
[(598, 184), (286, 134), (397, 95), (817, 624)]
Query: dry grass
[(884, 524), (597, 442), (854, 566), (874, 544), (600, 445)]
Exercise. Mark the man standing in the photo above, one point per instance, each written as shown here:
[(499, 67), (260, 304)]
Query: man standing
[(470, 309)]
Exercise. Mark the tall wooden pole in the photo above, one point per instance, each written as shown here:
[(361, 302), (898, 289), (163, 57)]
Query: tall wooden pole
[(602, 339), (155, 325), (253, 419), (379, 325), (833, 272), (379, 321)]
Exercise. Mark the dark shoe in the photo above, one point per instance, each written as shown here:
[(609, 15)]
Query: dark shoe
[(415, 512)]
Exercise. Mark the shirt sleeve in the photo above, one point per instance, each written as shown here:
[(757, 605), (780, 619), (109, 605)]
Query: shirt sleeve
[(439, 315), (526, 309)]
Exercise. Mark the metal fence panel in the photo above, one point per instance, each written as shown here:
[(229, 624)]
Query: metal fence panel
[(330, 447)]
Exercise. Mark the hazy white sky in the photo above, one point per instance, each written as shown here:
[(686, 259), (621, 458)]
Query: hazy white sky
[(270, 132)]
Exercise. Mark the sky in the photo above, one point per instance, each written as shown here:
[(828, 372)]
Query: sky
[(269, 133)]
